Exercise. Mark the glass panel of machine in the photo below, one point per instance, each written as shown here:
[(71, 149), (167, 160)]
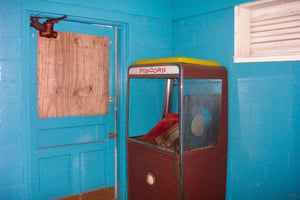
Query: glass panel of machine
[(201, 112), (154, 112)]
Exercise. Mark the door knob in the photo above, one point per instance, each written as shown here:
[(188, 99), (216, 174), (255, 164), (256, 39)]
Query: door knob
[(111, 135)]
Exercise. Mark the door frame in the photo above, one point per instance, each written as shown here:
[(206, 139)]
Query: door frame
[(121, 63)]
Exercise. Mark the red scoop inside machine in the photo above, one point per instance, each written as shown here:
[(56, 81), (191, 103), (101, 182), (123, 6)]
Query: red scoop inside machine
[(165, 133)]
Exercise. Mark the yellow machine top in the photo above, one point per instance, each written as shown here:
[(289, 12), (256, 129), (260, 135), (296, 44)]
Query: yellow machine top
[(178, 60)]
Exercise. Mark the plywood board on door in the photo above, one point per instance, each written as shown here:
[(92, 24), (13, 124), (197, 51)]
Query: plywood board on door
[(73, 75)]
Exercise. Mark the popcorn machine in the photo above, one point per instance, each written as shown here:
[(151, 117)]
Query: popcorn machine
[(177, 127)]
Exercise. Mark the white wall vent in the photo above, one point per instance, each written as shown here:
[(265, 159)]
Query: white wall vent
[(267, 30)]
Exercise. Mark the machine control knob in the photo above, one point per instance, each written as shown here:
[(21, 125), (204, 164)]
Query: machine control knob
[(150, 179)]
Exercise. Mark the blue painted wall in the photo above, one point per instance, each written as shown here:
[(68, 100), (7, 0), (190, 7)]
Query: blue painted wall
[(181, 9), (264, 105), (264, 98), (11, 143), (155, 9), (148, 34)]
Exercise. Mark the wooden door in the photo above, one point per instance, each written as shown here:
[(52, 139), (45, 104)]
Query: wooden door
[(71, 152)]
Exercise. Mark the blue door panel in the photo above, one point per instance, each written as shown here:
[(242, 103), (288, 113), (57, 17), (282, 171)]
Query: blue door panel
[(92, 169), (55, 176), (90, 166), (61, 122), (70, 155), (71, 135)]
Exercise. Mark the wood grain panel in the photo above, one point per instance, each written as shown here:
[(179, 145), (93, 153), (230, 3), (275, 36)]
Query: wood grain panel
[(73, 75)]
